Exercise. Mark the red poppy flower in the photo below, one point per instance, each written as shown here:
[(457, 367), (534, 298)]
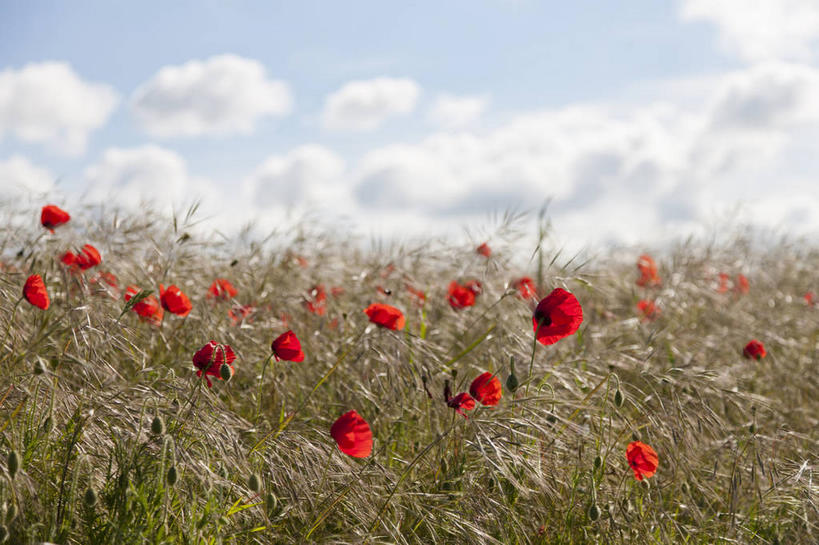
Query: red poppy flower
[(174, 301), (107, 277), (287, 347), (317, 302), (239, 312), (724, 280), (648, 271), (419, 294), (648, 309), (385, 316), (742, 285), (486, 389), (526, 287), (474, 286), (87, 258), (557, 315), (148, 309), (353, 435), (642, 459), (460, 296), (810, 298), (461, 402), (222, 288), (35, 292), (53, 216), (209, 360), (754, 350), (68, 259), (484, 250)]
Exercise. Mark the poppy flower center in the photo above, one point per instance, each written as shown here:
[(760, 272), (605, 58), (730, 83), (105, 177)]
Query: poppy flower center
[(544, 320)]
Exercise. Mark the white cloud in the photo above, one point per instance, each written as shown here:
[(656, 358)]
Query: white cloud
[(49, 103), (307, 174), (761, 30), (21, 179), (126, 177), (364, 105), (222, 95), (453, 112)]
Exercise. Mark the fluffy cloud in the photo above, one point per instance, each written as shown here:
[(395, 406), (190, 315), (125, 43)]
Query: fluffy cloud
[(452, 112), (20, 179), (307, 174), (364, 105), (49, 103), (126, 177), (761, 30), (225, 94)]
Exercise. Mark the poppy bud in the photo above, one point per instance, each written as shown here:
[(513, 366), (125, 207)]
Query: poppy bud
[(4, 533), (512, 381), (598, 461), (272, 504), (90, 497), (172, 476), (593, 512), (618, 398), (157, 425), (11, 513), (13, 463), (39, 368), (550, 418), (752, 428), (226, 372), (684, 488), (253, 483), (48, 425)]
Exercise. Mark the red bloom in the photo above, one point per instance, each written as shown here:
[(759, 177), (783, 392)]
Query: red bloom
[(557, 315), (724, 280), (87, 258), (317, 302), (353, 435), (107, 277), (287, 347), (486, 389), (484, 250), (460, 296), (148, 309), (742, 285), (222, 288), (419, 294), (209, 360), (35, 292), (648, 309), (754, 350), (461, 402), (810, 298), (239, 312), (174, 301), (648, 271), (385, 316), (526, 287), (53, 216), (642, 459)]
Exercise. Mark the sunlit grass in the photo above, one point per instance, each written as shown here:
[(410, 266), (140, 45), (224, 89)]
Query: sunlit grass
[(737, 439)]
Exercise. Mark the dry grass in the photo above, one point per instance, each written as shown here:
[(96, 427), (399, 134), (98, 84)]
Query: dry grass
[(738, 440)]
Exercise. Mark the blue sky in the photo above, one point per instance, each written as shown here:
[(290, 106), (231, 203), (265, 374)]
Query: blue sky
[(643, 118)]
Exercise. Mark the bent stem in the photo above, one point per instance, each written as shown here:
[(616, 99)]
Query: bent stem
[(532, 359)]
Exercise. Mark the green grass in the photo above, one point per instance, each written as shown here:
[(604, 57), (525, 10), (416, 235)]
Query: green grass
[(738, 440)]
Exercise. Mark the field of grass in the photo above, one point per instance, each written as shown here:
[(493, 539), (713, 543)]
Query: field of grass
[(84, 383)]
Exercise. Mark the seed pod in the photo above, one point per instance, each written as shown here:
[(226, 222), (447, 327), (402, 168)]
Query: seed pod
[(226, 372), (593, 512), (157, 425), (619, 398), (253, 483), (13, 463), (39, 368), (598, 461), (90, 497), (512, 381), (172, 476)]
